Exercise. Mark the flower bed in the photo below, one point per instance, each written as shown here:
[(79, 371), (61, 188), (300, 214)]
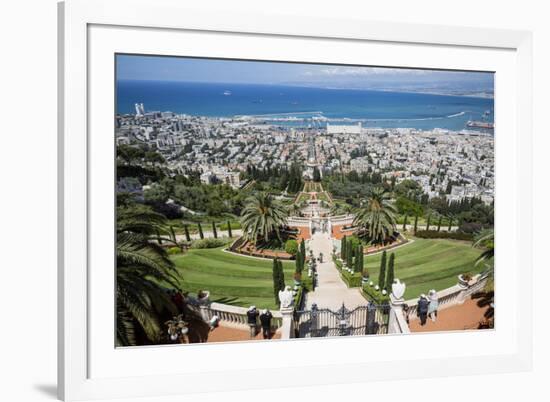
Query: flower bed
[(244, 247)]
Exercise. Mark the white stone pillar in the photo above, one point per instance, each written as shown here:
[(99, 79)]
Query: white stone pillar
[(397, 324), (287, 328), (463, 286)]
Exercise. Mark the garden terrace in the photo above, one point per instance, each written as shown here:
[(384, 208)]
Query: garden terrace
[(230, 278), (425, 264)]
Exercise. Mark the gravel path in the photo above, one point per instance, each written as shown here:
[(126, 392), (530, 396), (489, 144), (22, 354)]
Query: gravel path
[(331, 291)]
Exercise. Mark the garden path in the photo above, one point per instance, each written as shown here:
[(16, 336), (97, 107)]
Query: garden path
[(330, 291)]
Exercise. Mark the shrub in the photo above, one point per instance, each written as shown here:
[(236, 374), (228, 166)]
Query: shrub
[(291, 247), (209, 242), (433, 234), (352, 280), (470, 227), (375, 296), (174, 250)]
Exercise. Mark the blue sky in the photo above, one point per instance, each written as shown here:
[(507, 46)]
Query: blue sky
[(130, 67)]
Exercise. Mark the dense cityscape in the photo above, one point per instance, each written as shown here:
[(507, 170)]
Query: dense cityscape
[(456, 165)]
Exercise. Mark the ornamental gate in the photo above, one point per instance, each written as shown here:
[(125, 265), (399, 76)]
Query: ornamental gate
[(363, 320)]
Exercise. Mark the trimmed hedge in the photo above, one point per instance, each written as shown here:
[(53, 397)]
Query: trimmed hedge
[(375, 296), (209, 242), (434, 234), (351, 280)]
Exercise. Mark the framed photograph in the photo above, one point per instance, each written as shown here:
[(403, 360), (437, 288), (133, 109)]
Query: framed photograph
[(255, 201)]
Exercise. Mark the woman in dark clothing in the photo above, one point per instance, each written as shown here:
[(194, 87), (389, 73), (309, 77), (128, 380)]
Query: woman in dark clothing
[(422, 309), (265, 321)]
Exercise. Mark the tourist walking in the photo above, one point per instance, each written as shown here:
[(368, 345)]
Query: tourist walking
[(434, 304), (422, 308), (265, 321), (252, 315)]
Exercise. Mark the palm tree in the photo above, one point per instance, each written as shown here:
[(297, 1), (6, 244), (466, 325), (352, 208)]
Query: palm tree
[(262, 217), (377, 216), (485, 239), (141, 266)]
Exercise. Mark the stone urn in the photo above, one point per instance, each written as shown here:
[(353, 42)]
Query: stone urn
[(203, 297), (464, 280), (398, 289)]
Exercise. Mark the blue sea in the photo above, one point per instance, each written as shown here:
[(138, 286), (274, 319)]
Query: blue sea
[(293, 105)]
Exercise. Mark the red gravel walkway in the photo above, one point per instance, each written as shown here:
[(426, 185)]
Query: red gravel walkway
[(456, 318), (227, 334)]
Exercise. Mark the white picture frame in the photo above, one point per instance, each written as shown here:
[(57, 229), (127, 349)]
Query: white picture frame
[(90, 31)]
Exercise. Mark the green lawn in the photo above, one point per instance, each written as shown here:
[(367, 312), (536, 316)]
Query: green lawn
[(230, 278), (428, 264)]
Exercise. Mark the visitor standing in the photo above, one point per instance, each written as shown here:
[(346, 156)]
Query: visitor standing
[(265, 321), (252, 315), (422, 307), (434, 304)]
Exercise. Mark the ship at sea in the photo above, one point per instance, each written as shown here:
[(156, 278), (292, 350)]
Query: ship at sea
[(480, 124), (227, 93)]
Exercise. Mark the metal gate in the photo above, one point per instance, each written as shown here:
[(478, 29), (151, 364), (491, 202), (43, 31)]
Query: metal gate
[(363, 320)]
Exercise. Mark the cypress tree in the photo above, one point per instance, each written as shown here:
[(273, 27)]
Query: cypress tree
[(172, 233), (415, 223), (343, 249), (159, 239), (201, 234), (299, 263), (390, 277), (229, 229), (382, 272), (428, 222), (214, 231), (281, 275), (405, 222), (359, 258), (450, 223), (439, 223), (276, 280), (349, 256), (303, 251), (186, 230)]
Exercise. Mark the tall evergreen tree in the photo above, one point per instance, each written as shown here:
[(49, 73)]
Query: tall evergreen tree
[(428, 222), (391, 273), (382, 272), (303, 251), (349, 256), (439, 223), (405, 222), (415, 223), (186, 230), (214, 231), (276, 280), (299, 262), (229, 229), (201, 234), (359, 258), (343, 248), (281, 276)]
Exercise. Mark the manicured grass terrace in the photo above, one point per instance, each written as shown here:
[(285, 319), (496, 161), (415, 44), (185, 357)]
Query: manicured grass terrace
[(428, 264), (230, 278)]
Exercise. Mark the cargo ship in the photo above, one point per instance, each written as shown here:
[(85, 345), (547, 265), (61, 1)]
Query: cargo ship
[(480, 124)]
